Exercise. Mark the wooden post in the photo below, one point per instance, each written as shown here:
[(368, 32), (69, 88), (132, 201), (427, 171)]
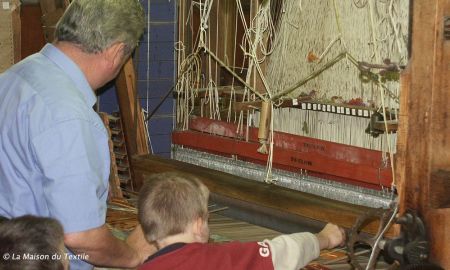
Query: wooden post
[(258, 85), (32, 35), (48, 6), (424, 135), (52, 10), (16, 31), (131, 113)]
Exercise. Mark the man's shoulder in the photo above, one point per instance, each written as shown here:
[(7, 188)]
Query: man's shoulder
[(51, 86), (35, 67)]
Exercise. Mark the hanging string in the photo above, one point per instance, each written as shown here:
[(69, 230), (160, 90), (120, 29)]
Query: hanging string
[(288, 75), (390, 148), (232, 94)]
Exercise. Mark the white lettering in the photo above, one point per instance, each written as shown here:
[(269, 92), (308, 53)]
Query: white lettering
[(15, 256), (264, 250), (35, 257), (77, 256)]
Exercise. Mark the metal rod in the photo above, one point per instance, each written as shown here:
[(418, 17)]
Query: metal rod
[(218, 209), (315, 74), (159, 104), (346, 257), (233, 73)]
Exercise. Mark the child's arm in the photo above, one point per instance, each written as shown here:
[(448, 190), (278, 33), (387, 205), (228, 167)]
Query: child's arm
[(294, 251)]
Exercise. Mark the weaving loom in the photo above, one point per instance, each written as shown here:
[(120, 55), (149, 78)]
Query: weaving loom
[(280, 95), (293, 112), (291, 109)]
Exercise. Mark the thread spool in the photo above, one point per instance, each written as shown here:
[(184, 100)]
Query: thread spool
[(264, 126)]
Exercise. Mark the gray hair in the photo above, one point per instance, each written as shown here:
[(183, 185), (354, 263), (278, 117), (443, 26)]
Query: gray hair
[(95, 25)]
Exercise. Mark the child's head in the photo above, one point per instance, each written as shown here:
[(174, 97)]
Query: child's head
[(32, 236), (169, 203)]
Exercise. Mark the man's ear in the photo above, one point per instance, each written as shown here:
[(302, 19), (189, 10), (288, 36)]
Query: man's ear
[(114, 54)]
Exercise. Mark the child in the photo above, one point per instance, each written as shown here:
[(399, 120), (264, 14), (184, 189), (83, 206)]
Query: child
[(173, 212), (32, 243)]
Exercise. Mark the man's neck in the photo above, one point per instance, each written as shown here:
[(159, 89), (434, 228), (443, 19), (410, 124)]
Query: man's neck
[(85, 61)]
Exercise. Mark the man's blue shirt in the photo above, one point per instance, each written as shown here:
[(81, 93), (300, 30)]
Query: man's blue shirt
[(54, 154)]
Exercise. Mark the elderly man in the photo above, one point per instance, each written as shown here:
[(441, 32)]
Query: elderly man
[(54, 155)]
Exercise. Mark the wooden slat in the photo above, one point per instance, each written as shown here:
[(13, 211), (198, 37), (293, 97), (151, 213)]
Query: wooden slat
[(260, 194), (114, 182)]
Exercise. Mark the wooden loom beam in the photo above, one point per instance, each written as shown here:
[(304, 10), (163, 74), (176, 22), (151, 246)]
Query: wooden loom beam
[(320, 158), (262, 195)]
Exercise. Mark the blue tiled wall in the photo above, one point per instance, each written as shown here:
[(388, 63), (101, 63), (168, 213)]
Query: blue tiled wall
[(155, 72)]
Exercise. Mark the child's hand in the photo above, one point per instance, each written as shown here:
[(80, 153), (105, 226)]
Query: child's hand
[(331, 236)]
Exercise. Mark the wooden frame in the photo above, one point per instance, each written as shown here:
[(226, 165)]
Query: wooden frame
[(423, 156)]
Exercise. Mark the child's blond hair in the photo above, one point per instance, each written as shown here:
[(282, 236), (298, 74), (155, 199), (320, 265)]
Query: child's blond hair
[(169, 202)]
